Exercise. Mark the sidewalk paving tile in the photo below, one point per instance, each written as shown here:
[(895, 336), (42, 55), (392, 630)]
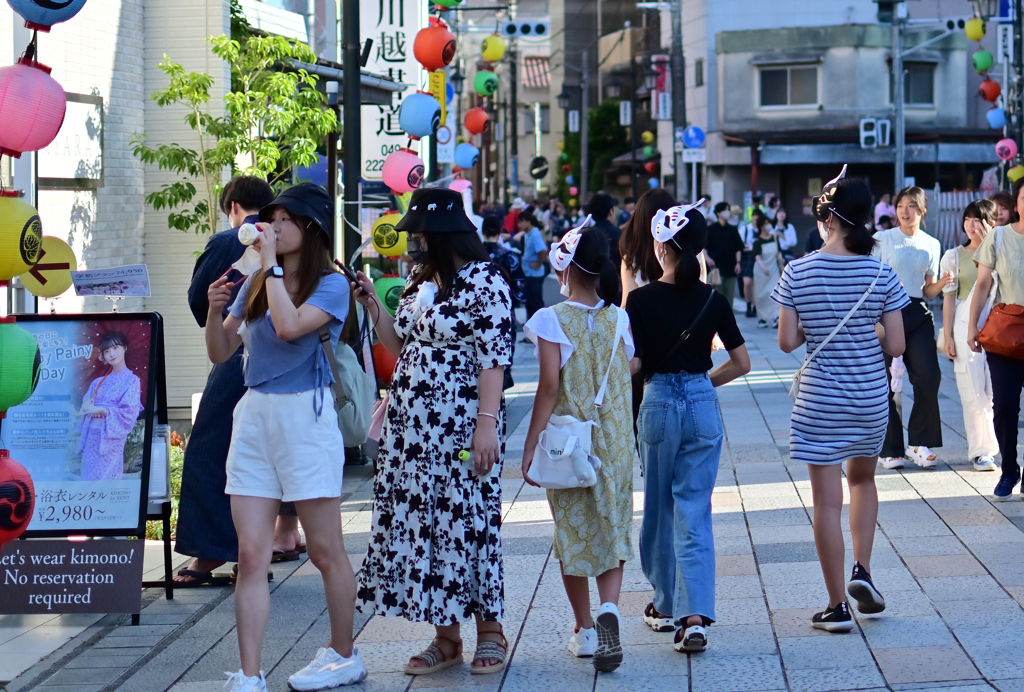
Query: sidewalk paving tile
[(829, 679), (718, 672), (925, 664), (944, 566)]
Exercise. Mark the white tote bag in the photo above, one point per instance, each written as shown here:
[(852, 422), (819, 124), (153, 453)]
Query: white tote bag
[(563, 457)]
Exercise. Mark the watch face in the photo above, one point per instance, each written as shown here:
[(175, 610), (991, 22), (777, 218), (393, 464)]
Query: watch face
[(444, 135)]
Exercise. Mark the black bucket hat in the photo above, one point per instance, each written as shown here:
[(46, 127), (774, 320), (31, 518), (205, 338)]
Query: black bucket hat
[(435, 210), (305, 199)]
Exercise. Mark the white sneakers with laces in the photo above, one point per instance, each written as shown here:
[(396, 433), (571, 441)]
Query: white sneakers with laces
[(240, 683), (583, 643), (328, 669)]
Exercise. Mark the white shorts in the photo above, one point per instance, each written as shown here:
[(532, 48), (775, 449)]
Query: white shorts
[(282, 451)]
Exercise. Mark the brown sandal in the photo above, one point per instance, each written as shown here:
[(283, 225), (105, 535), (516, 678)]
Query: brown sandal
[(490, 650), (435, 658)]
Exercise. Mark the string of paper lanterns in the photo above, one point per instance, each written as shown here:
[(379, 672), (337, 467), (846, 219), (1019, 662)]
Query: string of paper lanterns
[(990, 90)]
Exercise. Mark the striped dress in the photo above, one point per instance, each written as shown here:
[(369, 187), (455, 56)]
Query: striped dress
[(842, 409)]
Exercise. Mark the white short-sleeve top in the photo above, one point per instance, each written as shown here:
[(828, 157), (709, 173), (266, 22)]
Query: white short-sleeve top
[(912, 257), (545, 325)]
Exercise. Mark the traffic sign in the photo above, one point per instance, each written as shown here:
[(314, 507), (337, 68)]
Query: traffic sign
[(695, 155), (625, 113), (538, 167), (677, 134), (574, 121), (693, 137), (51, 275)]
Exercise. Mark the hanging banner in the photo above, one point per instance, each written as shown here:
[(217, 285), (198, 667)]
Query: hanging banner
[(438, 88), (392, 24)]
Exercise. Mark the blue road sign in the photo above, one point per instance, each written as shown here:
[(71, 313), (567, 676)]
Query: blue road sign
[(693, 137)]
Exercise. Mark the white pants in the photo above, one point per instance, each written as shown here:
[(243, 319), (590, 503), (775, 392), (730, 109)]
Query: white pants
[(975, 386)]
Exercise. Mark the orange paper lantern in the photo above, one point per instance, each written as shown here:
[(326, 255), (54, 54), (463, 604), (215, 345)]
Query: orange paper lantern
[(434, 46), (17, 498), (989, 90), (476, 120), (383, 362)]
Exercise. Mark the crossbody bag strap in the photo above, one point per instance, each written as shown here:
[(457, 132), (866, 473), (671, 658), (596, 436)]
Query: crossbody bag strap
[(621, 322), (339, 389), (842, 323), (686, 332)]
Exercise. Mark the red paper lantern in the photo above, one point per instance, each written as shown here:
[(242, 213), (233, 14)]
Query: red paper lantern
[(566, 168), (476, 120), (17, 498), (651, 166), (989, 90), (403, 171), (32, 106), (434, 46), (383, 362)]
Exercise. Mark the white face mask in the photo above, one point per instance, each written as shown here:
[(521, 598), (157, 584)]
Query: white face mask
[(823, 232), (659, 254), (563, 288)]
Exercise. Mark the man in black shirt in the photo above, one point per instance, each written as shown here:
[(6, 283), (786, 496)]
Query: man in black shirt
[(723, 250), (601, 207)]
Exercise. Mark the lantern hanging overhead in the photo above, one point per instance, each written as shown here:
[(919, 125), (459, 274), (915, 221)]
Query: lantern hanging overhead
[(386, 239), (52, 275), (40, 15), (21, 236), (447, 3), (32, 106), (996, 118), (403, 171), (485, 83), (492, 48), (569, 180), (466, 156), (476, 120), (647, 136), (19, 365), (1015, 173), (566, 168), (573, 203), (982, 60), (574, 191), (1006, 149), (648, 151), (434, 46), (17, 498), (975, 29), (420, 115), (652, 183), (651, 167), (989, 90), (389, 290)]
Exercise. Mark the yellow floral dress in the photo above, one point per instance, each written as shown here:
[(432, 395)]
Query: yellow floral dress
[(592, 525)]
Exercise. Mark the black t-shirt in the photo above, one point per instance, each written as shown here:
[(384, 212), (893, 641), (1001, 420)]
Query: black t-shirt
[(723, 244), (612, 233), (658, 314)]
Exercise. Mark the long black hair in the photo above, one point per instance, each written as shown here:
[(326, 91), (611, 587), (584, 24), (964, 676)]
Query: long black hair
[(594, 263), (636, 246), (851, 211), (686, 245), (440, 265)]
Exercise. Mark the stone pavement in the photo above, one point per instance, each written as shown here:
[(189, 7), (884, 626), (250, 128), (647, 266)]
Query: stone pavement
[(950, 564)]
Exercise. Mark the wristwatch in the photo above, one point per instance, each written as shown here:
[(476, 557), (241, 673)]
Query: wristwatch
[(273, 273)]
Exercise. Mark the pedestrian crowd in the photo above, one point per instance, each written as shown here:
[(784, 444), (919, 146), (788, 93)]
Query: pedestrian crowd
[(626, 373)]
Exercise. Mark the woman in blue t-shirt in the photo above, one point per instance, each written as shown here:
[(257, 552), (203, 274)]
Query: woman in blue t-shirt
[(285, 442)]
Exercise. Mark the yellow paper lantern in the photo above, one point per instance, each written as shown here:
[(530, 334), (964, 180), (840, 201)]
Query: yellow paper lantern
[(975, 29), (51, 276), (493, 48), (386, 240), (1015, 174), (21, 236), (573, 203), (647, 136), (561, 146)]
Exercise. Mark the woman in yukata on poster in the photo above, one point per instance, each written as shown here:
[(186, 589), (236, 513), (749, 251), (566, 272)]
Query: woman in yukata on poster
[(109, 410)]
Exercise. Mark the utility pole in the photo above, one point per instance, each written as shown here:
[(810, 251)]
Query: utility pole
[(351, 65), (584, 126), (678, 94), (899, 15), (632, 125), (513, 124), (1018, 74)]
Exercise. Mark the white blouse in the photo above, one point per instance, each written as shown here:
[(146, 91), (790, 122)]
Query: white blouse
[(911, 257), (545, 325)]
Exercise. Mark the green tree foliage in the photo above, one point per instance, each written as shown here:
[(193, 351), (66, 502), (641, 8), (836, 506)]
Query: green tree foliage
[(607, 139), (273, 120)]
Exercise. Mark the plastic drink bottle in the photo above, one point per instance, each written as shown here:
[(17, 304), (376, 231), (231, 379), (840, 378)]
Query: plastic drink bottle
[(466, 457), (248, 233)]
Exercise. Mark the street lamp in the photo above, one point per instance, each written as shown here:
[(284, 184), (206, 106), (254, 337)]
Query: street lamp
[(985, 9), (613, 89), (563, 98), (457, 80), (650, 79)]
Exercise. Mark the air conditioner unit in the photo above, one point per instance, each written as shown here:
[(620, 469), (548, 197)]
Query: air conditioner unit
[(884, 128), (527, 28), (868, 133)]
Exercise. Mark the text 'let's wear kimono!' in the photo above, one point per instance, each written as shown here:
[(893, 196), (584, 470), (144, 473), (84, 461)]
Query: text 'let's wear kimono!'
[(435, 545)]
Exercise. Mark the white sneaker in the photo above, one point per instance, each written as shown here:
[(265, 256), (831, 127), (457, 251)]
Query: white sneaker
[(919, 455), (890, 462), (329, 669), (240, 683), (985, 463), (583, 643), (608, 656)]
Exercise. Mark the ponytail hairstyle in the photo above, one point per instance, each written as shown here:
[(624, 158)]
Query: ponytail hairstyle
[(847, 206), (685, 245), (593, 263)]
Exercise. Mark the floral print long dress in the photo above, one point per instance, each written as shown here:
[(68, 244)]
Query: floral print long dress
[(102, 440), (435, 547)]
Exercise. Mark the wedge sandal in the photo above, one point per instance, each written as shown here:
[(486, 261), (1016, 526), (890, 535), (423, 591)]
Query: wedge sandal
[(434, 658), (488, 650)]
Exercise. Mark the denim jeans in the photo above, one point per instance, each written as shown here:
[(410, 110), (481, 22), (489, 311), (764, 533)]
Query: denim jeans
[(680, 440)]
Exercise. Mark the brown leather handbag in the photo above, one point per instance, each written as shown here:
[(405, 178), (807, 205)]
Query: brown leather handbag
[(1003, 333)]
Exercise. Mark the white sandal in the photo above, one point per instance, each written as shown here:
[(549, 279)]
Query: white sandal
[(693, 638), (922, 456)]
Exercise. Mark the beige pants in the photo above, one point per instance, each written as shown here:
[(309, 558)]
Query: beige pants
[(975, 386)]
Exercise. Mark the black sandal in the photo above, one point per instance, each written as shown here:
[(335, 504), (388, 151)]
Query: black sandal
[(198, 579), (659, 622)]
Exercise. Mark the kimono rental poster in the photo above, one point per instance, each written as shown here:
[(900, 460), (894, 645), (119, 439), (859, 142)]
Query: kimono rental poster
[(81, 434)]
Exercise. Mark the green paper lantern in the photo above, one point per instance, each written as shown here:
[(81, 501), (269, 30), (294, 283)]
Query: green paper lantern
[(982, 60), (19, 365), (447, 3), (648, 152), (485, 83), (563, 157), (389, 290)]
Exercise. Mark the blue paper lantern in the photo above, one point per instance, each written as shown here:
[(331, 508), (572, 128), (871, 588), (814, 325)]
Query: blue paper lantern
[(693, 137), (569, 180), (466, 155), (420, 115), (449, 92), (43, 14), (996, 118), (652, 183)]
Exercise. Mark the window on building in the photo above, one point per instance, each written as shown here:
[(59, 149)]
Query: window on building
[(545, 120), (698, 72), (789, 86), (919, 84)]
